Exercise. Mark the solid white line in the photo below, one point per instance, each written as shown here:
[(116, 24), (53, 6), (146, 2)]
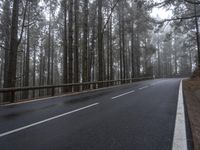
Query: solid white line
[(46, 120), (123, 94), (180, 139), (143, 87)]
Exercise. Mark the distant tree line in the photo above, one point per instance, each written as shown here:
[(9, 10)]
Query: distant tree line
[(46, 42)]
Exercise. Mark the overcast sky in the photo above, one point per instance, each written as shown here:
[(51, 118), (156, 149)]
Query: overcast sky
[(161, 13)]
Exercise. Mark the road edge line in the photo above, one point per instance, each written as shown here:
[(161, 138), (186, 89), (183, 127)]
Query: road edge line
[(180, 138)]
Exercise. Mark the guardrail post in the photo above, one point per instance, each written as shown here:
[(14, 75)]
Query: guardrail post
[(33, 94), (53, 91), (12, 97), (96, 85)]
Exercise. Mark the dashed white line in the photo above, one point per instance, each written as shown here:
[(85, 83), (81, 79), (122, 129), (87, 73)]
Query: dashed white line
[(180, 139), (143, 87), (46, 120), (123, 94)]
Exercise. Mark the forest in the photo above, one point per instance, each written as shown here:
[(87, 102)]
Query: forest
[(52, 42)]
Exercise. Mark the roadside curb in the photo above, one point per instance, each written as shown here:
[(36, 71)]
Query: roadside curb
[(180, 138)]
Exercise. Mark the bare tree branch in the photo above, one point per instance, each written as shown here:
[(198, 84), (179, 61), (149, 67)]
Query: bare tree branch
[(178, 18), (193, 2), (112, 10)]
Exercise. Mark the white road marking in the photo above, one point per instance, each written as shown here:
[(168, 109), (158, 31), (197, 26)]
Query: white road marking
[(143, 87), (46, 120), (180, 139), (123, 94)]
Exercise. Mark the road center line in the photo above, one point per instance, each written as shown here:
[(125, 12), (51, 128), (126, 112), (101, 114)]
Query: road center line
[(143, 87), (123, 94), (180, 139), (46, 120)]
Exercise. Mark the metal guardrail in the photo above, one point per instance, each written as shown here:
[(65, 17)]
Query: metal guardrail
[(51, 88)]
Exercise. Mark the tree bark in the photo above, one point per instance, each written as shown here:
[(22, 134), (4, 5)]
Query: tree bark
[(65, 48), (85, 44), (6, 32), (132, 51), (52, 58), (70, 36), (159, 67), (197, 36), (49, 49), (93, 46), (123, 42), (27, 61), (12, 66), (111, 49), (120, 45), (76, 44), (34, 70), (100, 41)]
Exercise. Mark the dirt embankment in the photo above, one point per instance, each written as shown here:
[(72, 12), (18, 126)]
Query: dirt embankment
[(191, 89)]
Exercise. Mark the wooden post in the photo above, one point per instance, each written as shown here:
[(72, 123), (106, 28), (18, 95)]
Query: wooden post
[(53, 91), (12, 97)]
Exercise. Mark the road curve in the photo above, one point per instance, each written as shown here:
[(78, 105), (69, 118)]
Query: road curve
[(139, 116)]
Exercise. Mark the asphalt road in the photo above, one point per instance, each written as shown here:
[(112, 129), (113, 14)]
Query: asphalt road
[(140, 116)]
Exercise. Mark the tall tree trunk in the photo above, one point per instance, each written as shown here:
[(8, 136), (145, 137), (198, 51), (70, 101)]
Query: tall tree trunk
[(70, 42), (100, 41), (108, 54), (190, 60), (76, 44), (137, 55), (197, 35), (34, 69), (132, 51), (159, 65), (145, 57), (175, 60), (107, 66), (1, 70), (92, 48), (6, 23), (41, 72), (26, 73), (65, 48), (123, 41), (12, 66), (93, 45), (111, 49), (21, 72), (49, 49), (85, 43), (52, 59), (120, 45)]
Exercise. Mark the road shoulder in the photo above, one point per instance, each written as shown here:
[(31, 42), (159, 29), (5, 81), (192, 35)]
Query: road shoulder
[(180, 138), (191, 89)]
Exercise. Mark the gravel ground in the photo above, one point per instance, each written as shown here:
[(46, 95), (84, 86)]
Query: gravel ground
[(191, 89)]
